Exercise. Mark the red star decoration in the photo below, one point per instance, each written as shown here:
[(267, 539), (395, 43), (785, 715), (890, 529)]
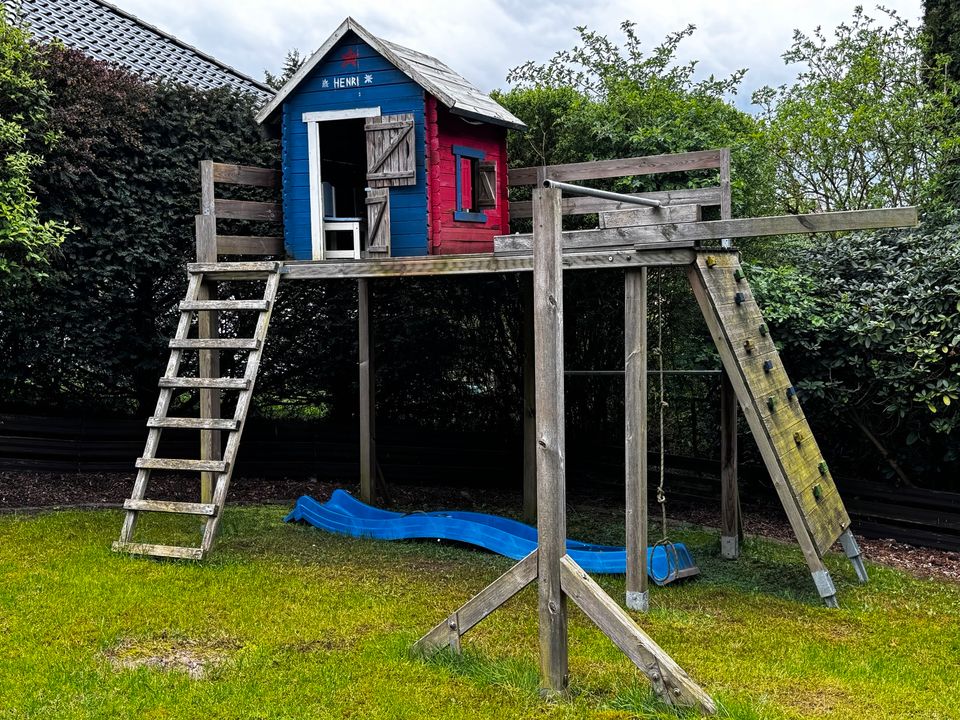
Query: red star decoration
[(350, 57)]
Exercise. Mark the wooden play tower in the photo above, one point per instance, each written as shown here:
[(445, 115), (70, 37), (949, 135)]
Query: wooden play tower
[(406, 156)]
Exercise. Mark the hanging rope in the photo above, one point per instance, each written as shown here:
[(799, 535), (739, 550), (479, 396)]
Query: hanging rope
[(661, 494)]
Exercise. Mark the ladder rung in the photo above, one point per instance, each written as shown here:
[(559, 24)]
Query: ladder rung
[(171, 551), (208, 383), (183, 508), (224, 305), (193, 423), (218, 466), (235, 270), (215, 344)]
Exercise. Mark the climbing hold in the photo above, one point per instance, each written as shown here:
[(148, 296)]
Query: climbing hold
[(738, 275), (763, 329), (767, 365), (798, 437), (748, 346), (739, 298), (711, 261), (772, 403), (817, 493), (791, 392), (822, 467)]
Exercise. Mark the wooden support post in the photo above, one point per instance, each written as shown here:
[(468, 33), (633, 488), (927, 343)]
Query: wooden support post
[(730, 525), (208, 326), (635, 435), (368, 447), (729, 491), (551, 480), (529, 405)]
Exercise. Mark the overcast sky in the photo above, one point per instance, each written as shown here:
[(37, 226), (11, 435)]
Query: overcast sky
[(482, 39)]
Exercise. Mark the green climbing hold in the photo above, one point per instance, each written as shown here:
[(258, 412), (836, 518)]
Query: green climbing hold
[(738, 275), (822, 467), (817, 493), (763, 330), (772, 403)]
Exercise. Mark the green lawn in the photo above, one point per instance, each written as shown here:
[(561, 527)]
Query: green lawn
[(289, 622)]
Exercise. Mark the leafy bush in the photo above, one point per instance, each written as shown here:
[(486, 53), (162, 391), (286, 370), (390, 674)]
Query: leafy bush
[(871, 322)]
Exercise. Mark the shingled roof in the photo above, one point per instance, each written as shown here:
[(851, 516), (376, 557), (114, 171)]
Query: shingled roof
[(106, 32), (447, 86)]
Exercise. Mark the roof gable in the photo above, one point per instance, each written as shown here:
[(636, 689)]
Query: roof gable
[(450, 88)]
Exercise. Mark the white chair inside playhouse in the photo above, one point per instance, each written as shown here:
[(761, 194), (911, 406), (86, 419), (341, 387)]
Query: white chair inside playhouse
[(335, 227)]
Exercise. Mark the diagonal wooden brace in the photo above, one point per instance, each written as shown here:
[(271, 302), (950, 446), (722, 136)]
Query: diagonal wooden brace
[(668, 679), (450, 630)]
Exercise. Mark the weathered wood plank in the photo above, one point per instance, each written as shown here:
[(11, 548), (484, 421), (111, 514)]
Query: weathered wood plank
[(779, 225), (729, 492), (668, 679), (486, 263), (650, 216), (211, 383), (217, 466), (245, 175), (708, 196), (620, 167), (215, 343), (551, 470), (165, 551), (635, 435), (206, 305), (200, 423), (262, 266), (368, 448), (480, 605), (248, 210), (590, 239), (208, 329), (250, 245), (168, 506)]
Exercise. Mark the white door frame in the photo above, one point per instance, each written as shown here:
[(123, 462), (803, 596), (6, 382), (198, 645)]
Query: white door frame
[(313, 120)]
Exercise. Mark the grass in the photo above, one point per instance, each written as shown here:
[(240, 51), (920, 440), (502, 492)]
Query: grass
[(289, 622)]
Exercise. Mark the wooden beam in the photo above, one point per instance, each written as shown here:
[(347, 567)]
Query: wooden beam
[(529, 405), (620, 167), (245, 175), (248, 210), (451, 629), (613, 257), (551, 480), (635, 435), (650, 216), (780, 225), (668, 679), (707, 196), (729, 491), (208, 328), (368, 448)]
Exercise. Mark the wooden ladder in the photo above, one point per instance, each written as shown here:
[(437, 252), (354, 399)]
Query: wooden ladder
[(172, 383), (772, 409)]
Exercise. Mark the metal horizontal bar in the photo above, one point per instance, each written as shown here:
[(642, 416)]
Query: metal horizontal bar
[(605, 194)]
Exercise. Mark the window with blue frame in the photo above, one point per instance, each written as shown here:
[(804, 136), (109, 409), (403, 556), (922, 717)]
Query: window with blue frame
[(476, 184)]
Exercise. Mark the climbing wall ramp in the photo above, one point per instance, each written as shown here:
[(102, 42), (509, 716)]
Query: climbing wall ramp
[(770, 404)]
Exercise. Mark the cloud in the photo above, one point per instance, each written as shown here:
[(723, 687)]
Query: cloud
[(483, 39)]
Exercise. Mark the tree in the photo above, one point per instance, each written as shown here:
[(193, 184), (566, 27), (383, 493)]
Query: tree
[(291, 63), (25, 242), (860, 127), (941, 21)]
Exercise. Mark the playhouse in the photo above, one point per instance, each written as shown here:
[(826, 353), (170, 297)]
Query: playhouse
[(387, 152), (393, 165)]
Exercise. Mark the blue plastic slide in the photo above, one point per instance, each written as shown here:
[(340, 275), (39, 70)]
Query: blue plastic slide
[(345, 515)]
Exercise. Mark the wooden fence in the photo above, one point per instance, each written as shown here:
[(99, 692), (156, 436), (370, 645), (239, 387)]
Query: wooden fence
[(431, 457)]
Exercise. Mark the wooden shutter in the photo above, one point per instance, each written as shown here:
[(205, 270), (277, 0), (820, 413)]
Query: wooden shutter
[(391, 160), (378, 221), (486, 185)]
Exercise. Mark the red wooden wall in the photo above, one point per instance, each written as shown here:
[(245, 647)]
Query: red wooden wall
[(444, 130)]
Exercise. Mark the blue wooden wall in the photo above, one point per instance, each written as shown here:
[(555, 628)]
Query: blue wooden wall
[(379, 84)]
